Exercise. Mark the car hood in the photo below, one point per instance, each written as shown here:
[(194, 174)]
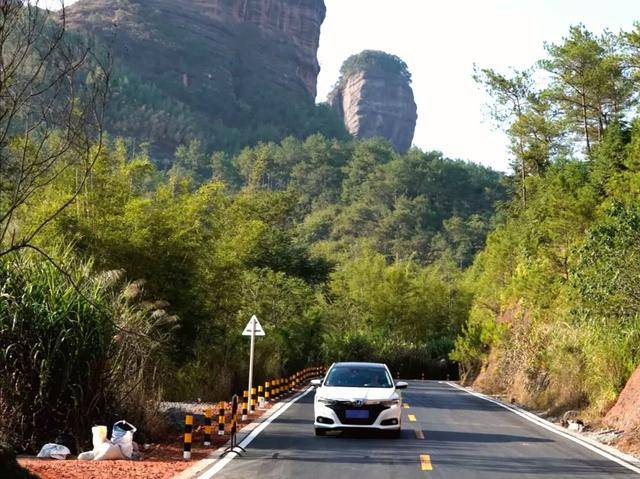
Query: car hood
[(350, 394)]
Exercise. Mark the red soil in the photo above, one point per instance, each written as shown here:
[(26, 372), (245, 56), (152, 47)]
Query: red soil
[(160, 461), (630, 442), (625, 415)]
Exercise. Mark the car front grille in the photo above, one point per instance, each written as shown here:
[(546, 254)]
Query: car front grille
[(340, 408)]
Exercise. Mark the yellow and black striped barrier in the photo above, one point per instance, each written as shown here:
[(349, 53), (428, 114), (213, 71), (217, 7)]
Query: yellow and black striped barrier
[(208, 415), (233, 441), (221, 418), (188, 436), (245, 411), (252, 403), (260, 396), (273, 390)]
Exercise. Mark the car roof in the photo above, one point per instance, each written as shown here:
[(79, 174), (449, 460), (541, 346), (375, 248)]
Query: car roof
[(350, 364)]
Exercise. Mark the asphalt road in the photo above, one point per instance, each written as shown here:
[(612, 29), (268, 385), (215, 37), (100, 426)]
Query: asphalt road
[(447, 433)]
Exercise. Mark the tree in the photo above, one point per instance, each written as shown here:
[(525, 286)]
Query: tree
[(375, 60), (589, 81), (53, 92), (526, 116)]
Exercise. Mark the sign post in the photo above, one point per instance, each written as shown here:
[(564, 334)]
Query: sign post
[(253, 329)]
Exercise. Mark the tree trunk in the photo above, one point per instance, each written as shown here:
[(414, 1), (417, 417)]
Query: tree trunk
[(523, 174), (585, 124)]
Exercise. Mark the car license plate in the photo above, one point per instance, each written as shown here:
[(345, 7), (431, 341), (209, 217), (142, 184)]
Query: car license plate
[(357, 414)]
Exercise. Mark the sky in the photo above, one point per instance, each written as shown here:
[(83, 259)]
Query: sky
[(442, 40)]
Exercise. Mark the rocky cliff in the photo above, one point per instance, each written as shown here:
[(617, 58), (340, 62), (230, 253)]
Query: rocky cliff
[(374, 97), (235, 63)]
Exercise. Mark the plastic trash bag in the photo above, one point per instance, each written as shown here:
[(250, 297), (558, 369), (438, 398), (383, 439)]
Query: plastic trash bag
[(66, 439), (54, 451), (119, 447), (86, 456), (99, 434), (122, 436), (108, 452)]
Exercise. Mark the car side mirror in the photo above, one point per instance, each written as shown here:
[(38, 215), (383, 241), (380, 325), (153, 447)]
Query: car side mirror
[(316, 382), (401, 385)]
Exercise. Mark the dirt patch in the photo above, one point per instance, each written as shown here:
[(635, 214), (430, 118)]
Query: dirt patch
[(630, 442), (159, 461), (625, 415)]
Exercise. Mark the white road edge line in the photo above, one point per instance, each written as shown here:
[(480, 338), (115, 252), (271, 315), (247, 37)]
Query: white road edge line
[(618, 457), (217, 467)]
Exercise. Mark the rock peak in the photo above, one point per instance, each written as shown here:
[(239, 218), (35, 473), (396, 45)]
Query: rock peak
[(374, 97)]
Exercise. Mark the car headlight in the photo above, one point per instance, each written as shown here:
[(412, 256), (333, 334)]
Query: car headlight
[(325, 400), (391, 403)]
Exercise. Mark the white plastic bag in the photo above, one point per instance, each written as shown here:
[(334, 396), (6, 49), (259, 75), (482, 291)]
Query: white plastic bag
[(54, 451), (108, 452), (122, 436), (99, 434), (86, 456)]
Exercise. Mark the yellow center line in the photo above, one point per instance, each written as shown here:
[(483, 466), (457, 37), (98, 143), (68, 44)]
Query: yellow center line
[(425, 462), (412, 418), (405, 405), (419, 433)]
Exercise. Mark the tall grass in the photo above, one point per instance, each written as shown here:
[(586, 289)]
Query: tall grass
[(69, 357)]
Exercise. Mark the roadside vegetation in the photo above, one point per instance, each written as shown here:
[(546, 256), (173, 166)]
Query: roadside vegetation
[(554, 319)]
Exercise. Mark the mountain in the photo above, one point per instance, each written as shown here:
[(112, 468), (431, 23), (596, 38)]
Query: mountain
[(225, 72), (374, 97)]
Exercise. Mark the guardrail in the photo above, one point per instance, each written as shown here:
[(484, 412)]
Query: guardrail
[(274, 390)]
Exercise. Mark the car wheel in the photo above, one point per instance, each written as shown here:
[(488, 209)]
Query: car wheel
[(320, 431)]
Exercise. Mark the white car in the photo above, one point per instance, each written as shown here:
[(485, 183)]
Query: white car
[(358, 395)]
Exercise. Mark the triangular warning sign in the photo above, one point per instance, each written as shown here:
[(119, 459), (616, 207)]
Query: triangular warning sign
[(248, 328)]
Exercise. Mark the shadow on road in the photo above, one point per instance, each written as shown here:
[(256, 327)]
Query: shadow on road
[(479, 437)]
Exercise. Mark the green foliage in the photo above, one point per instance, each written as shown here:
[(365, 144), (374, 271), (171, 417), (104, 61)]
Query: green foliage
[(364, 189), (400, 312), (71, 355), (554, 318), (218, 256), (55, 344), (375, 60), (591, 84)]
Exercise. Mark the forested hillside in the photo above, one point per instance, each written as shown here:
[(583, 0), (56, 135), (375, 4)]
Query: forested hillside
[(226, 73), (554, 319)]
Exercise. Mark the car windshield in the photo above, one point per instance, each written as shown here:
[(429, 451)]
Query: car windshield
[(358, 377)]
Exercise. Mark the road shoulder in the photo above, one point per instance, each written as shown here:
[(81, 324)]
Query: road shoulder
[(625, 460)]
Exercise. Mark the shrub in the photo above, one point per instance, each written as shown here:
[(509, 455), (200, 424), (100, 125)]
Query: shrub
[(375, 60), (70, 357)]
